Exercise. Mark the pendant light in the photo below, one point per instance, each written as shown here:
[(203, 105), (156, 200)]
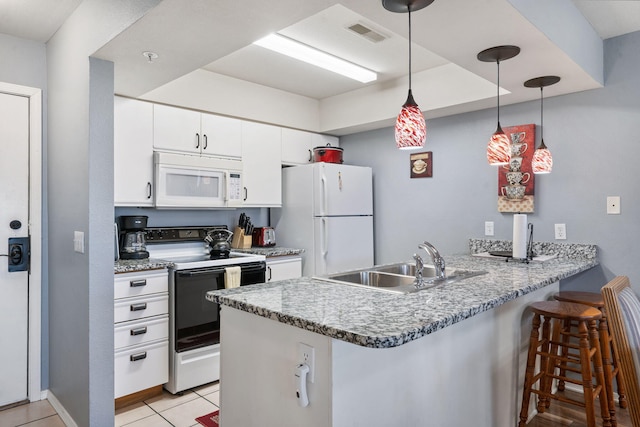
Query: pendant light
[(542, 161), (499, 147), (410, 129)]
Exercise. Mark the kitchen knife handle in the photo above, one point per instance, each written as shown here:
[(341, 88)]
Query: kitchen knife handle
[(138, 307), (197, 140), (138, 331), (138, 356), (137, 283)]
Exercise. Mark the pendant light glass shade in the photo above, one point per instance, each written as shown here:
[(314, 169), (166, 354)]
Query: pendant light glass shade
[(410, 129), (499, 146), (542, 161)]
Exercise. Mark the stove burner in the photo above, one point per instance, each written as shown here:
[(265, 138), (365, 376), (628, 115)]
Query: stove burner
[(219, 253)]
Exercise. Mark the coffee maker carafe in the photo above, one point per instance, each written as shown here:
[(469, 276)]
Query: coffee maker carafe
[(133, 241)]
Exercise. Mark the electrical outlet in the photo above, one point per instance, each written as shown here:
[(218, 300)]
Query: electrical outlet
[(488, 228), (613, 205), (561, 231), (307, 355)]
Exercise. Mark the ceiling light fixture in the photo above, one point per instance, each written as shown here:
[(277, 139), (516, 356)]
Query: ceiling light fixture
[(542, 161), (310, 55), (150, 56), (410, 129), (499, 147)]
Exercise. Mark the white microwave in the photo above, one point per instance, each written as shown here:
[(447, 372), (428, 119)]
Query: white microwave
[(184, 181)]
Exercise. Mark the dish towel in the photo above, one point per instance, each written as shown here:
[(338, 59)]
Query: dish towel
[(232, 277)]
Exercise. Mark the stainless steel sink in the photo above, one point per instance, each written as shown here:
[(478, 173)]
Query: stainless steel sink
[(399, 278)]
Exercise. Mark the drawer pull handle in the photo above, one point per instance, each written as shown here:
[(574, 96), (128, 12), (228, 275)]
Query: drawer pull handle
[(137, 283), (138, 307), (139, 331), (139, 356)]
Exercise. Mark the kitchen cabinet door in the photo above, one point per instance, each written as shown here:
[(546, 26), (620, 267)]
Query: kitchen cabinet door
[(320, 140), (222, 136), (297, 147), (282, 268), (261, 165), (176, 129), (133, 152)]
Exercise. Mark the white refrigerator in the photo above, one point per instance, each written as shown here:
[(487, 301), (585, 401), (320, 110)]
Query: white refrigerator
[(327, 210)]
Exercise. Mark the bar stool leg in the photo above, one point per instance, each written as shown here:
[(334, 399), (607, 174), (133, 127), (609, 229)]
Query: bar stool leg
[(546, 365), (565, 350), (599, 373), (531, 364), (607, 364), (622, 399)]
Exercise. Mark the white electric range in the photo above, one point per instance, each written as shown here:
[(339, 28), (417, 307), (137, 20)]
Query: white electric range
[(194, 322)]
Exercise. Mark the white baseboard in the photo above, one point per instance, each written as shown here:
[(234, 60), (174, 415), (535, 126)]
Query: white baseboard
[(62, 412)]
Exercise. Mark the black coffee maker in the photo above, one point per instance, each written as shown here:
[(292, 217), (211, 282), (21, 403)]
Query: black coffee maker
[(133, 241)]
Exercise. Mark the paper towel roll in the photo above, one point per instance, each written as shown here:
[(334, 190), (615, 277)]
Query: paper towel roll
[(520, 236)]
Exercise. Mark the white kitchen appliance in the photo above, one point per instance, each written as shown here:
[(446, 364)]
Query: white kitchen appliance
[(194, 322), (327, 210), (184, 181)]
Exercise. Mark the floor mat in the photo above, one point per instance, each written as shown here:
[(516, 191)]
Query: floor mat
[(209, 420)]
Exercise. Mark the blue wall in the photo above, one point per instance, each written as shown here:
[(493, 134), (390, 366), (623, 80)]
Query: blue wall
[(594, 139)]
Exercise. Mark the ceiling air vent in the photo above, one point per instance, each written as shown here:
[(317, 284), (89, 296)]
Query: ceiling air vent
[(367, 33)]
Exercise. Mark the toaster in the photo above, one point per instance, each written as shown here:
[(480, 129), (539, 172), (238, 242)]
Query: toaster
[(264, 236)]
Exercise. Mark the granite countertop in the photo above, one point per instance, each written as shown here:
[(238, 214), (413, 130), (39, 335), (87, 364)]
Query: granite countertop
[(373, 318), (272, 251), (134, 265)]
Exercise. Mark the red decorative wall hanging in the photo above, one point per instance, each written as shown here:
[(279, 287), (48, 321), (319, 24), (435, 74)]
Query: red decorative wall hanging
[(516, 180)]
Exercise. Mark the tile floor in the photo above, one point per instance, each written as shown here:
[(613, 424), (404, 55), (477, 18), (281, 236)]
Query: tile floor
[(162, 411)]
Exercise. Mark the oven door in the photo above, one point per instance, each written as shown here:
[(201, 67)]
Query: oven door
[(196, 320)]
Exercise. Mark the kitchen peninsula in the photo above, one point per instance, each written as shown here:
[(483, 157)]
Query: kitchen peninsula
[(449, 355)]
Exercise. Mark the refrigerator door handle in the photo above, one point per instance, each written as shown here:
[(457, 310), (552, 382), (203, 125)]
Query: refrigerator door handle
[(325, 238), (323, 181)]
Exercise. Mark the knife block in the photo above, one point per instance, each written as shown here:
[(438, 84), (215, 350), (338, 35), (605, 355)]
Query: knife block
[(240, 240)]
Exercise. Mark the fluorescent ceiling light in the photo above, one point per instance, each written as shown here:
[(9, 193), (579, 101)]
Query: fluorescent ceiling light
[(310, 55)]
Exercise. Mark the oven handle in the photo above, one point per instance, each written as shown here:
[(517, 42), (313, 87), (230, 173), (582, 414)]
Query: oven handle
[(199, 272)]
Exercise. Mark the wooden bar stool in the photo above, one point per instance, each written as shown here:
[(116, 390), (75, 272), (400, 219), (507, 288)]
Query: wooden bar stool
[(609, 353), (549, 345)]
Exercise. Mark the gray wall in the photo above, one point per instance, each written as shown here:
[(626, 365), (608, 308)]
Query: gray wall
[(24, 62), (594, 140), (80, 188)]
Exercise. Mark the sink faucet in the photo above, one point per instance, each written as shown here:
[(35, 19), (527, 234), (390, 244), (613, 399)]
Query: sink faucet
[(437, 260)]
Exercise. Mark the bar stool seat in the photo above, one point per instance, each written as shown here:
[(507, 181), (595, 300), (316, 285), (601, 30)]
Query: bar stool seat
[(544, 345), (609, 353)]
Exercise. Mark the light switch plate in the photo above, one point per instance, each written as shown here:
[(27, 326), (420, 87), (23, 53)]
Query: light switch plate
[(613, 205), (78, 241)]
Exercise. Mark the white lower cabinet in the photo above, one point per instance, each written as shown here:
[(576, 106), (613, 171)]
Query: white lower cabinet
[(282, 268), (141, 331)]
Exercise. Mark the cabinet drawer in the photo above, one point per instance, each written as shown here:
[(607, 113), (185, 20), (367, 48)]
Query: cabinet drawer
[(136, 284), (141, 307), (141, 367), (141, 331)]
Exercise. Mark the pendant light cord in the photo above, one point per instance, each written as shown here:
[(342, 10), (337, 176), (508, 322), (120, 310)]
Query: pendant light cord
[(541, 115), (498, 90), (409, 10)]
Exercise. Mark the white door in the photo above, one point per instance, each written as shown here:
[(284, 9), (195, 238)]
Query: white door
[(342, 243), (14, 193), (342, 190)]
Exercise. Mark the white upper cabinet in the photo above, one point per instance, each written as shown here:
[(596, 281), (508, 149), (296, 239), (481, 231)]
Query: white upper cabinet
[(176, 129), (133, 152), (261, 165), (222, 135), (298, 145), (186, 131)]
